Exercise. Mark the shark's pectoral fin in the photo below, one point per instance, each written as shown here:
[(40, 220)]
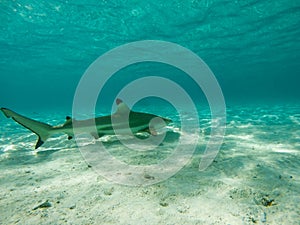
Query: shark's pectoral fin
[(153, 131), (97, 135), (150, 130), (145, 130)]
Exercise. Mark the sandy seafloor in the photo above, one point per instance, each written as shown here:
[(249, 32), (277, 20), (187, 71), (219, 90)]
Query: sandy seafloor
[(254, 179)]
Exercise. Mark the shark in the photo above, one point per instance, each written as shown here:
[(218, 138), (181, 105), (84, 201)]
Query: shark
[(116, 123)]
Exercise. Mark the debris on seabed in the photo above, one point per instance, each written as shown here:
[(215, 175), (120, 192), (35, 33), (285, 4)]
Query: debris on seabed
[(45, 204)]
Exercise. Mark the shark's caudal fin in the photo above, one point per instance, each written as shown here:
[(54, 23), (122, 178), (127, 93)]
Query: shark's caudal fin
[(41, 129)]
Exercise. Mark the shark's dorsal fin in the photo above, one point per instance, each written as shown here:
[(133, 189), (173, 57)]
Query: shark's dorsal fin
[(122, 108), (68, 120)]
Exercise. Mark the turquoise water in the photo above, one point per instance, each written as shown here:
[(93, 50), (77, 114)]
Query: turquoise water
[(252, 47)]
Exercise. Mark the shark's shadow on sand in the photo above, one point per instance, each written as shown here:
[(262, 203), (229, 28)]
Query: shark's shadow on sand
[(26, 156)]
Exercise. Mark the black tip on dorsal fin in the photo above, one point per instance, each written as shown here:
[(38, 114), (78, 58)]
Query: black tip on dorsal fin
[(118, 101), (68, 118), (70, 137)]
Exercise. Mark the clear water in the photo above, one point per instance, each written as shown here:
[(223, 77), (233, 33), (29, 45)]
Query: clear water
[(252, 47)]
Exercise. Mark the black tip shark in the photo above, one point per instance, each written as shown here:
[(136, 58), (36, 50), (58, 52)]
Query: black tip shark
[(105, 125)]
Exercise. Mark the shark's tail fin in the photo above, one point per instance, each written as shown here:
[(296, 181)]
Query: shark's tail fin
[(43, 130)]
